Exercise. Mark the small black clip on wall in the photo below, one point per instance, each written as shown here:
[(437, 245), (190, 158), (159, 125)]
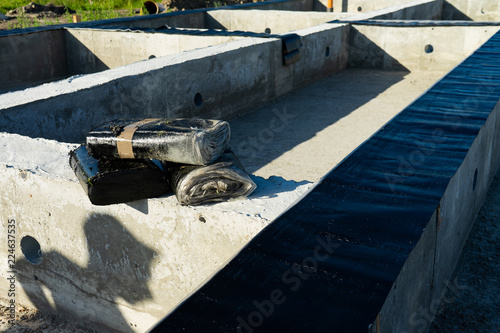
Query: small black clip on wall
[(290, 48)]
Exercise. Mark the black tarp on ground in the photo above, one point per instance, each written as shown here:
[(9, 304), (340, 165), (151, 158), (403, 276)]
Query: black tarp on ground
[(328, 263)]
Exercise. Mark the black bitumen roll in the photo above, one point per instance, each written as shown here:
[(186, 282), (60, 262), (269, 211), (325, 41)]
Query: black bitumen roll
[(187, 141), (223, 180), (117, 181)]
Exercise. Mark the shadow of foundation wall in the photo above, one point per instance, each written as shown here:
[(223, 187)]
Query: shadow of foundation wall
[(31, 59), (117, 272)]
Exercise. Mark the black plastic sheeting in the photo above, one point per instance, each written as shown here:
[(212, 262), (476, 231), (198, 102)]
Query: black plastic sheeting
[(328, 263)]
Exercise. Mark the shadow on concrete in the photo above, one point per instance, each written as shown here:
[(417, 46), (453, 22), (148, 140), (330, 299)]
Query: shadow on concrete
[(363, 53), (262, 136), (451, 13), (270, 188), (212, 23), (117, 269), (58, 56), (80, 59)]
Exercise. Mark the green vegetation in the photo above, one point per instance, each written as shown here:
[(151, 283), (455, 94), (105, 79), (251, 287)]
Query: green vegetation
[(89, 10), (78, 5)]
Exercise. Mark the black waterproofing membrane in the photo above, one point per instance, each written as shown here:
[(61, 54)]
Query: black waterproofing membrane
[(189, 141), (328, 263), (117, 181), (223, 180)]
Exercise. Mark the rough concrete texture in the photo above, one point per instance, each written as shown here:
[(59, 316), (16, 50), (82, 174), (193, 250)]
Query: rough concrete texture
[(475, 10), (412, 10), (133, 262), (463, 199), (154, 251), (364, 6), (67, 52), (271, 21), (175, 251), (414, 48), (231, 78), (92, 50), (20, 66), (291, 135)]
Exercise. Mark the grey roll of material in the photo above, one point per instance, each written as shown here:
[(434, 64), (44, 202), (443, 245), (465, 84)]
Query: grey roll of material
[(108, 182), (187, 141), (223, 180)]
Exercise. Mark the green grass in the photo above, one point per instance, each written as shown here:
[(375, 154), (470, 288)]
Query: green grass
[(97, 10), (78, 5)]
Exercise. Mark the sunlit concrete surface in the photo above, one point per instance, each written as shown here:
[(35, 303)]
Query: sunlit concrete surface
[(123, 267)]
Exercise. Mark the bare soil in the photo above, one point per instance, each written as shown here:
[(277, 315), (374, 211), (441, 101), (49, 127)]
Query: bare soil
[(477, 305), (30, 320), (17, 18)]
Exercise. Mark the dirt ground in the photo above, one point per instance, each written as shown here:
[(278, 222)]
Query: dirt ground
[(476, 308), (30, 320), (19, 17)]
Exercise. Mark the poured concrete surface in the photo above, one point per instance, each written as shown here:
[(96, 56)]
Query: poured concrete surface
[(476, 10), (305, 134), (173, 250)]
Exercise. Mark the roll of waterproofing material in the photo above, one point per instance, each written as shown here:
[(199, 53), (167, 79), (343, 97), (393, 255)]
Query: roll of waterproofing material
[(225, 179), (115, 181), (187, 141)]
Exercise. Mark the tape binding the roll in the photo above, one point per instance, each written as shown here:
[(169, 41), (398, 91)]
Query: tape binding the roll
[(124, 140)]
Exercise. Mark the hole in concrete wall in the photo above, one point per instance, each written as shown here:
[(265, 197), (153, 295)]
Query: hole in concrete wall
[(483, 11), (31, 250), (327, 51), (152, 56), (198, 99), (360, 9), (474, 181), (267, 31), (428, 48)]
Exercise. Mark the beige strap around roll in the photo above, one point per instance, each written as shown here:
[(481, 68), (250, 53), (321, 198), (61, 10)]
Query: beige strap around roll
[(124, 140)]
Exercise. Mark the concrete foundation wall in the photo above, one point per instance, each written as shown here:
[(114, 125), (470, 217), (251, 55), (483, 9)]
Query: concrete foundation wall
[(120, 267), (423, 282), (362, 6), (20, 65), (414, 48), (231, 78), (260, 20), (196, 18), (90, 51), (413, 10), (476, 10), (191, 19)]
